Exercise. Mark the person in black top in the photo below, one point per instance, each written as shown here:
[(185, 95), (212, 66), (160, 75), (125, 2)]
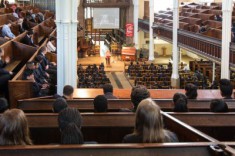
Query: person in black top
[(3, 105), (180, 103), (149, 125), (233, 32), (108, 91), (226, 88), (218, 105), (4, 74), (100, 103), (70, 122), (191, 91), (28, 39), (59, 105)]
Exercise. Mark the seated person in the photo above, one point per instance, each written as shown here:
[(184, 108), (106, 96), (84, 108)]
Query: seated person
[(3, 105), (14, 128), (25, 24), (108, 91), (100, 103), (202, 28), (70, 122), (67, 93), (138, 93), (226, 88), (218, 105), (50, 45), (149, 126), (180, 103), (6, 31), (218, 18), (233, 32), (59, 105), (4, 74), (28, 39), (191, 91)]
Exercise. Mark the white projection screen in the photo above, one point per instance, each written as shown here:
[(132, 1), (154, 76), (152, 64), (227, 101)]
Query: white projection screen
[(106, 18)]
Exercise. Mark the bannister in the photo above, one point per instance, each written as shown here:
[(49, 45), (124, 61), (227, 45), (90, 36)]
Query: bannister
[(200, 44), (106, 3)]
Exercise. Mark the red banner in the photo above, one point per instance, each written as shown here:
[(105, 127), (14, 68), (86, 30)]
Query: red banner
[(129, 30)]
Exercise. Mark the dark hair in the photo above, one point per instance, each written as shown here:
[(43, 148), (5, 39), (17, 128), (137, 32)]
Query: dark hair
[(59, 105), (8, 22), (38, 58), (191, 91), (218, 105), (100, 103), (68, 90), (180, 102), (30, 32), (226, 88), (107, 88), (1, 50), (70, 122), (139, 93), (3, 105)]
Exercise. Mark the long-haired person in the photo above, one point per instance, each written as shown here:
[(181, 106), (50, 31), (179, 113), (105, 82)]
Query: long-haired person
[(14, 128), (149, 125), (70, 122)]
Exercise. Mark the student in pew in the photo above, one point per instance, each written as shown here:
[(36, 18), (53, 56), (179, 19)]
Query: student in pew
[(191, 91), (180, 103), (149, 125), (108, 91), (50, 46), (138, 93), (70, 122), (28, 39), (14, 128), (218, 18), (20, 23), (25, 24), (3, 105), (2, 4), (226, 88), (4, 74), (38, 89), (59, 105), (218, 105), (46, 64), (100, 104), (6, 31), (233, 32)]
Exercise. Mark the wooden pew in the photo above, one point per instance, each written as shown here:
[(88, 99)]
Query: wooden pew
[(105, 125), (45, 105), (5, 18), (204, 17), (18, 53), (169, 149), (213, 24), (214, 33), (192, 21), (218, 125)]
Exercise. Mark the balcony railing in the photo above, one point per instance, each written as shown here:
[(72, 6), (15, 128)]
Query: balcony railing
[(106, 3), (202, 45)]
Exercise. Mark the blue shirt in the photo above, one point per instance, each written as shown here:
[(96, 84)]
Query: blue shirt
[(6, 31)]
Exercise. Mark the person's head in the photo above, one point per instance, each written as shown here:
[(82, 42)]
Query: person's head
[(3, 105), (9, 23), (43, 50), (30, 65), (139, 93), (107, 88), (100, 103), (226, 88), (191, 91), (38, 58), (1, 52), (180, 102), (30, 32), (218, 105), (149, 122), (14, 128), (70, 122), (59, 105), (68, 92)]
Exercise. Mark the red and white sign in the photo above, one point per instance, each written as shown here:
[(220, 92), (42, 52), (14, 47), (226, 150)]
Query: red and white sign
[(129, 30)]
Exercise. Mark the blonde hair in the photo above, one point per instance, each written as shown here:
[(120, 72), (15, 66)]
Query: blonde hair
[(149, 123), (14, 128)]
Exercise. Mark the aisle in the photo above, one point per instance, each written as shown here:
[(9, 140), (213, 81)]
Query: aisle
[(118, 80)]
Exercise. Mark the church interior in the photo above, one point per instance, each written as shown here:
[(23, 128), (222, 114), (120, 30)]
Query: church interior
[(117, 77)]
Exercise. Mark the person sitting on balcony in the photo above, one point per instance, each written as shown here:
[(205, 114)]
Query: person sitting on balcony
[(233, 32), (202, 28)]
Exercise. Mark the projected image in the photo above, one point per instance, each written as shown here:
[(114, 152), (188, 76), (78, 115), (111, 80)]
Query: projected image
[(106, 18)]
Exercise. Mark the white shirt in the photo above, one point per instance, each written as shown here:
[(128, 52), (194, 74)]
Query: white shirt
[(50, 46)]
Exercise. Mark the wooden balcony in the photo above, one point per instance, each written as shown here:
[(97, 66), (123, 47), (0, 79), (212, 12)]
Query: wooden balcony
[(199, 44)]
